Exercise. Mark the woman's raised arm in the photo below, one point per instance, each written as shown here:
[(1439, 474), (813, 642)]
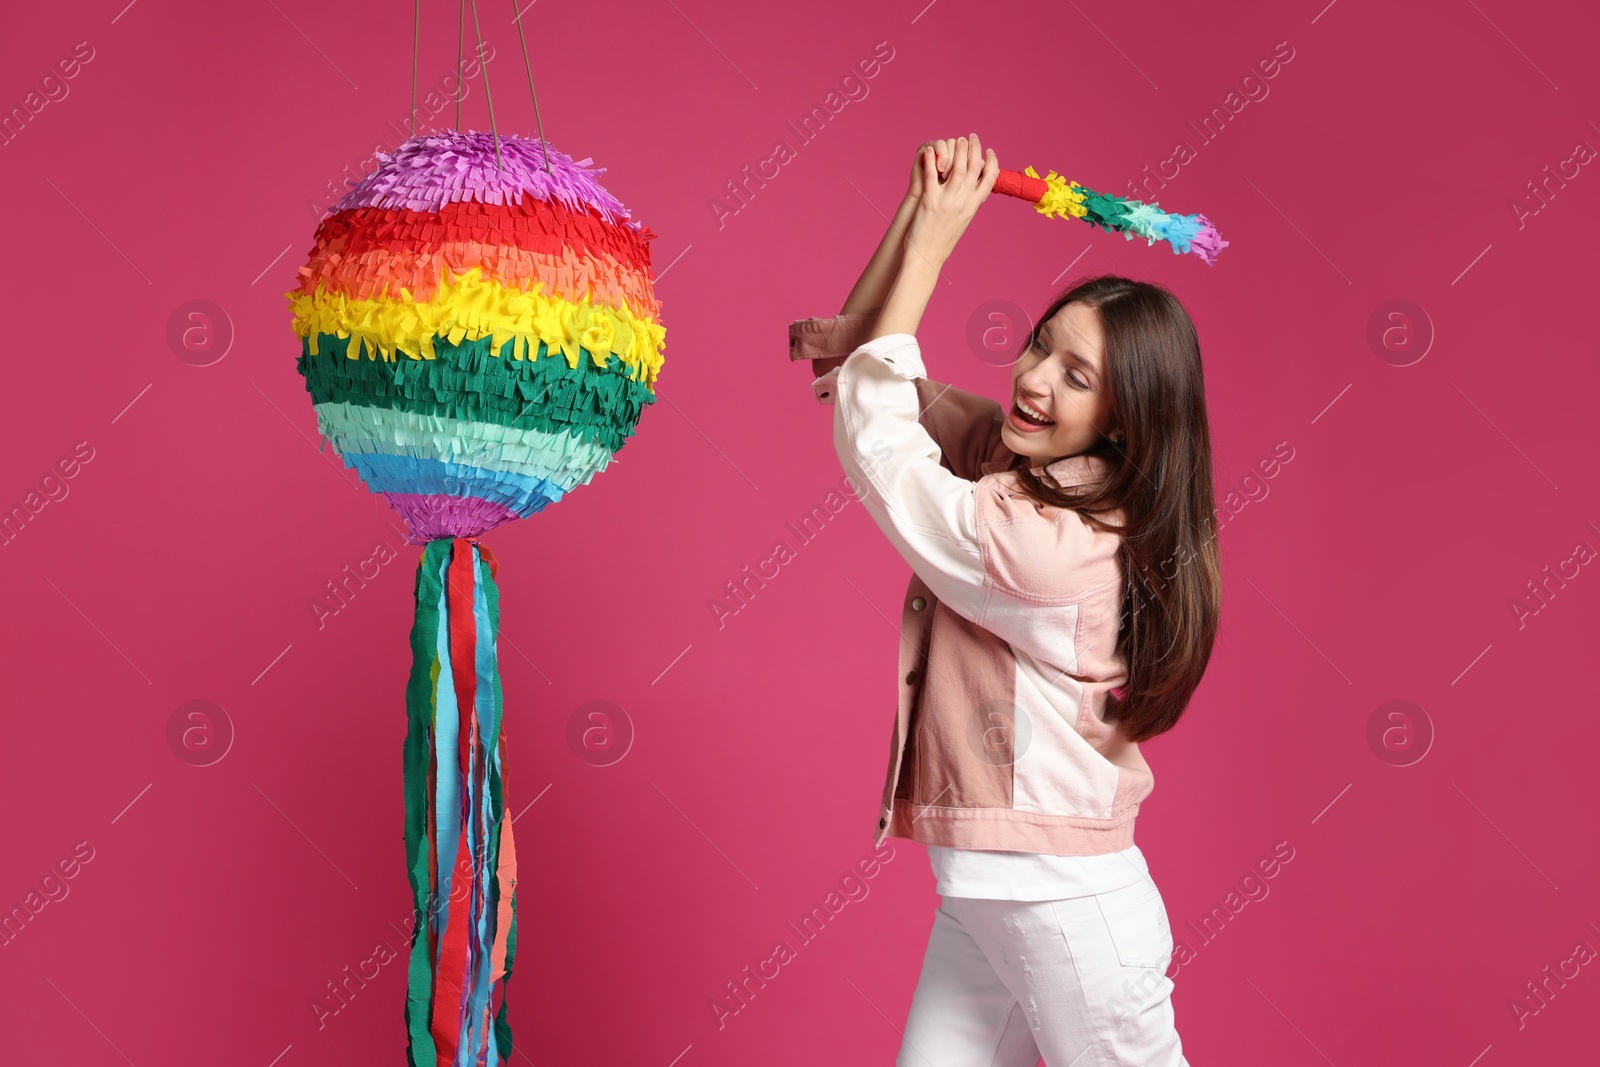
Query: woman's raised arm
[(943, 210), (873, 286)]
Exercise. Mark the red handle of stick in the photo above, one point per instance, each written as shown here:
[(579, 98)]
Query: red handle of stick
[(1014, 183)]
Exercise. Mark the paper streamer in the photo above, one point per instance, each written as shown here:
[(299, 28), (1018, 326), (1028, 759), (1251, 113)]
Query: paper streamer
[(460, 853)]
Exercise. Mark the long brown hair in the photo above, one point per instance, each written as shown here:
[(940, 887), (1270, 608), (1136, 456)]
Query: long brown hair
[(1159, 475)]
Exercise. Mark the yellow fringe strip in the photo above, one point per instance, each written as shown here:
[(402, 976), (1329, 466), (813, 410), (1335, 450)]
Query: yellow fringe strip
[(469, 306), (1062, 198), (570, 274)]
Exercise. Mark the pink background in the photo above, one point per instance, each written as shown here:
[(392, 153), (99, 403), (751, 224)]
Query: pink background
[(189, 161)]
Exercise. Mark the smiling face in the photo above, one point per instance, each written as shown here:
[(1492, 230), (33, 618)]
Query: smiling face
[(1062, 377)]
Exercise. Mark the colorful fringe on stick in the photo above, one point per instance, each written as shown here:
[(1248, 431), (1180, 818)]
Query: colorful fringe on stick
[(1054, 195), (459, 848), (479, 336)]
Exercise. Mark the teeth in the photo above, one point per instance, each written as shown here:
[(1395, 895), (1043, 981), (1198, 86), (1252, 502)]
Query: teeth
[(1029, 410)]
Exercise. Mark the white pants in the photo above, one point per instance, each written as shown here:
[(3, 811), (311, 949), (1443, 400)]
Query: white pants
[(1080, 981)]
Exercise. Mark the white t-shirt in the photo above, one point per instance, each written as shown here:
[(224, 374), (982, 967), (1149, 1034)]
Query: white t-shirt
[(995, 875)]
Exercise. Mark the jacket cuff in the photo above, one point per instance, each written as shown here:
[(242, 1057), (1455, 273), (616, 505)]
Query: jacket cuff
[(831, 337), (899, 352), (826, 387)]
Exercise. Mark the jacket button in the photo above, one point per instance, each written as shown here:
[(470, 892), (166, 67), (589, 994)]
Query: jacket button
[(912, 677), (918, 603), (882, 823)]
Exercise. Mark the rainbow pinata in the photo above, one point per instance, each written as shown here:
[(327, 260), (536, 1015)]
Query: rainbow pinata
[(478, 337)]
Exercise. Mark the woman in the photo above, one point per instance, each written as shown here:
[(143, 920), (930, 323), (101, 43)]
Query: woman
[(1062, 609)]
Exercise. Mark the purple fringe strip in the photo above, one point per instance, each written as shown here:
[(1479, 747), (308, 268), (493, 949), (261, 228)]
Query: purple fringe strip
[(433, 169), (435, 516)]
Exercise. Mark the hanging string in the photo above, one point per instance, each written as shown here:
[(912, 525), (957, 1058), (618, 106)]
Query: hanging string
[(461, 23), (529, 68), (485, 68), (416, 29)]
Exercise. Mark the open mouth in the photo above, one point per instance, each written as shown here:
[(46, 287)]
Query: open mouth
[(1023, 419)]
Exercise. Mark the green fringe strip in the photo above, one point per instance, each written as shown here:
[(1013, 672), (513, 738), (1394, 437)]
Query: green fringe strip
[(467, 381)]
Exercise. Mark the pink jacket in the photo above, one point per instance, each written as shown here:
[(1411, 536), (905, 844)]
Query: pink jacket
[(1009, 628)]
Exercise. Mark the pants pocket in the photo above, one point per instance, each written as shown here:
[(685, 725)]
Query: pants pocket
[(1136, 918)]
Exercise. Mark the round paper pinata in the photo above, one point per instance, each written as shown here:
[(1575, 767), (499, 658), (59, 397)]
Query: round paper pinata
[(478, 336), (478, 339)]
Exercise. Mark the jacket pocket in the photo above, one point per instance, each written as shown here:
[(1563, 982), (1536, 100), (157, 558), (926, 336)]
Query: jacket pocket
[(1136, 918)]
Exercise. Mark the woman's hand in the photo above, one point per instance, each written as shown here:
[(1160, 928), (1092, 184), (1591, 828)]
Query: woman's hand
[(943, 152), (945, 205)]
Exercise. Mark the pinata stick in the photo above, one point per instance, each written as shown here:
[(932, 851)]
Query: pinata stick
[(1054, 195)]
